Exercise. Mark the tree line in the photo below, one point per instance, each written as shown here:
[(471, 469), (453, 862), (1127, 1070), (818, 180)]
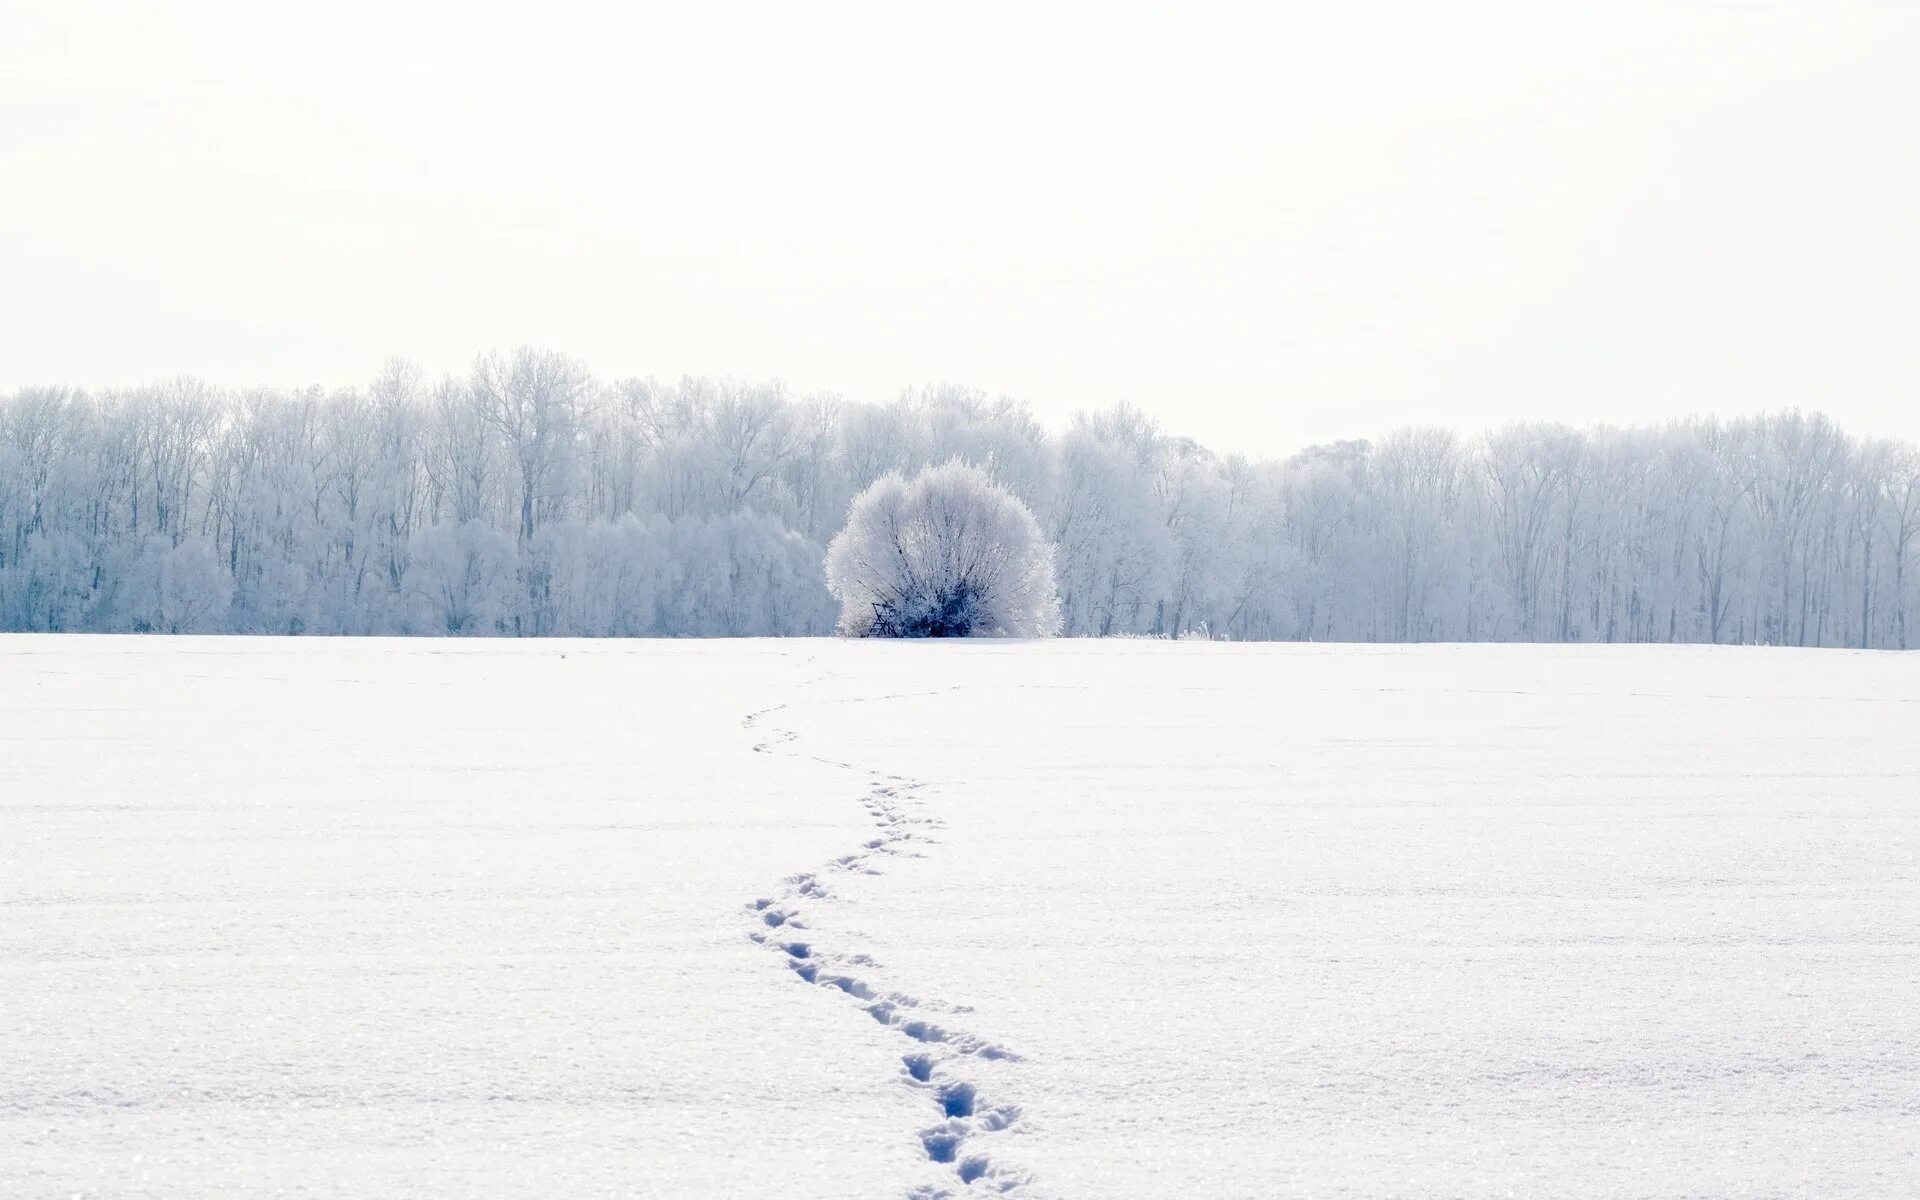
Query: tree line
[(529, 499)]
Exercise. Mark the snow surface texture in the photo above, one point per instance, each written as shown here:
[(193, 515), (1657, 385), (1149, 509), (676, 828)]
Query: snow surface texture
[(1074, 919)]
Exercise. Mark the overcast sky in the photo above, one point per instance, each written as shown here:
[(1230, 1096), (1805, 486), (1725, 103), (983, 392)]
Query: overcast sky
[(1267, 225)]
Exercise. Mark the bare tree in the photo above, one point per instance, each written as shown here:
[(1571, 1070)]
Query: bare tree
[(532, 404)]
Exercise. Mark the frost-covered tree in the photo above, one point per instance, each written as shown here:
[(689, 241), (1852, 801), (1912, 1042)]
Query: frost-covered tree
[(947, 553), (173, 589), (699, 507), (461, 578), (1114, 546)]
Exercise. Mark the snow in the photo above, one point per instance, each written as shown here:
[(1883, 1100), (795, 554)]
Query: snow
[(391, 918)]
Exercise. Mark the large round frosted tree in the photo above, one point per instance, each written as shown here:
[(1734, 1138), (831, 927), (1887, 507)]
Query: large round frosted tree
[(947, 553)]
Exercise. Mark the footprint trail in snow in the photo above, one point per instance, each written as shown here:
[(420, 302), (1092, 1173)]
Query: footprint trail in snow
[(936, 1061)]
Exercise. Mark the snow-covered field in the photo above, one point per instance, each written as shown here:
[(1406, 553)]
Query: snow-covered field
[(430, 918)]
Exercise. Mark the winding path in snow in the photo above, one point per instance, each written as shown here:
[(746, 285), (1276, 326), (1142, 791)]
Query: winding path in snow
[(936, 1063)]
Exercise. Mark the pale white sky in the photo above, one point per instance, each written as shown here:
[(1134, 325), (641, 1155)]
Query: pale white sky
[(1268, 225)]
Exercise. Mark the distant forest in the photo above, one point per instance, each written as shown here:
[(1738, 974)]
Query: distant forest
[(529, 499)]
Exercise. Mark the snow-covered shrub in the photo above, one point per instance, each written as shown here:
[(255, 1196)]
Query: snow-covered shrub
[(461, 577), (52, 586), (175, 589), (738, 575), (944, 554), (275, 596)]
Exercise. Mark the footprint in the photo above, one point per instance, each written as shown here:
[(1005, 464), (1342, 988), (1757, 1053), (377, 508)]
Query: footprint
[(897, 830), (851, 986), (923, 1031), (956, 1099), (942, 1143)]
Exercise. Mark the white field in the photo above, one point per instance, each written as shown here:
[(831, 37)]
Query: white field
[(431, 918)]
